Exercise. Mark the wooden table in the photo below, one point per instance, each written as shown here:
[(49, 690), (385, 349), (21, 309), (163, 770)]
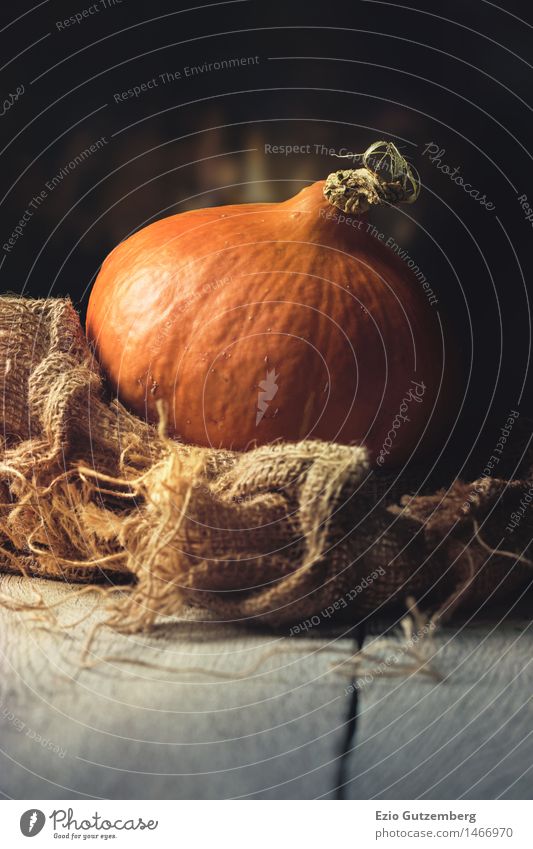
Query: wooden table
[(208, 710)]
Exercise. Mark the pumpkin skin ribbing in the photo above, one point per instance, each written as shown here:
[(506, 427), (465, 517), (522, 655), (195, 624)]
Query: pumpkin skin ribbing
[(204, 309)]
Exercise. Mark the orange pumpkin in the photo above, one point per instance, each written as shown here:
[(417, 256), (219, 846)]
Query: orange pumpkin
[(273, 321)]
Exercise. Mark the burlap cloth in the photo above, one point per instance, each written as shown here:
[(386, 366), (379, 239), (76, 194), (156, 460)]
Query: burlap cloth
[(283, 533)]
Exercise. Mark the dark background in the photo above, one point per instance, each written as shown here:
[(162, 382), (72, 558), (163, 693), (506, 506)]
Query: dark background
[(340, 74)]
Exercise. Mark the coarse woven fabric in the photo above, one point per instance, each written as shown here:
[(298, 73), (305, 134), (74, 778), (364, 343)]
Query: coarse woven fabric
[(91, 493)]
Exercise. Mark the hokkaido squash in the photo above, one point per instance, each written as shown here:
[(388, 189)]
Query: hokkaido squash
[(277, 321)]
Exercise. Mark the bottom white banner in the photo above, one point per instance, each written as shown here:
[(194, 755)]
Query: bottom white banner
[(267, 823)]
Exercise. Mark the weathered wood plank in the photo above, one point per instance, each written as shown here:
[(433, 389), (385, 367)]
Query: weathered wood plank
[(271, 728), (256, 714), (468, 736)]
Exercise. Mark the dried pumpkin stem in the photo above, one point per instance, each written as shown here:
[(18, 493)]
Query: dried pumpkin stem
[(386, 177)]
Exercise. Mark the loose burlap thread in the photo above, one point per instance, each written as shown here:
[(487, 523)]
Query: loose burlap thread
[(91, 493)]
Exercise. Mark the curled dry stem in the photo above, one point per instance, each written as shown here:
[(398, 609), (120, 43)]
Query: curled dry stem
[(386, 177)]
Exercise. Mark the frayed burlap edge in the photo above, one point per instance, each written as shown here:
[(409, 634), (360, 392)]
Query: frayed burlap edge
[(90, 493)]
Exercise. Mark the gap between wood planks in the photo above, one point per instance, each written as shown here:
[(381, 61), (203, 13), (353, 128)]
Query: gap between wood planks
[(350, 730)]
